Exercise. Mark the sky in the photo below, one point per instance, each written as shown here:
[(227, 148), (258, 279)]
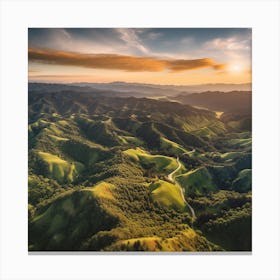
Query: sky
[(178, 56)]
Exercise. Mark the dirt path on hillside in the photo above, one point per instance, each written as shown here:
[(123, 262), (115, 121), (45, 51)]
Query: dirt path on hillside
[(170, 178)]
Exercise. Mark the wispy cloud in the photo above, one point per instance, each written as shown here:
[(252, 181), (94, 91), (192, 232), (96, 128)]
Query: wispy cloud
[(228, 44), (120, 62), (131, 39), (153, 35)]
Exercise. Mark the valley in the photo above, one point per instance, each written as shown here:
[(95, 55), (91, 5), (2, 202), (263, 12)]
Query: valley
[(111, 173)]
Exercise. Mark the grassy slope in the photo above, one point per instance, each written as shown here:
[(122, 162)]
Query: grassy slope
[(60, 169), (196, 181), (103, 190), (231, 155), (243, 183), (211, 129), (171, 146), (241, 143), (131, 140), (57, 138), (60, 217), (71, 217), (161, 163), (187, 240), (167, 194)]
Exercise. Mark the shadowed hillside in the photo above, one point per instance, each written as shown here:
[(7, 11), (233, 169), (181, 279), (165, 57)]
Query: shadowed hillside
[(135, 174), (234, 101)]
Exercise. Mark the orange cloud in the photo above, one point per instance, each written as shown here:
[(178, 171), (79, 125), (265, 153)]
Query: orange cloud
[(119, 62), (219, 66), (183, 64)]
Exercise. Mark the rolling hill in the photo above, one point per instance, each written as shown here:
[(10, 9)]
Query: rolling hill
[(99, 174)]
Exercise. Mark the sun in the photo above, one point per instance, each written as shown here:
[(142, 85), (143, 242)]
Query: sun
[(235, 68)]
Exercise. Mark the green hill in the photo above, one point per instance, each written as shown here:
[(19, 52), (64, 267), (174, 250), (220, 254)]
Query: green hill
[(84, 153), (99, 131), (167, 194), (188, 240), (160, 163), (59, 169), (197, 181), (171, 146), (243, 183), (98, 168), (68, 220)]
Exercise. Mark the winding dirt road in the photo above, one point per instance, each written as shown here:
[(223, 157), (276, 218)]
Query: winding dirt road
[(170, 178)]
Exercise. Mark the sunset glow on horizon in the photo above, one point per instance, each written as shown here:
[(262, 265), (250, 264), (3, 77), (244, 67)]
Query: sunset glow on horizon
[(179, 56)]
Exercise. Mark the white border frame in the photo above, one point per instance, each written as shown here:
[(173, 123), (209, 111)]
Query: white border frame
[(17, 16)]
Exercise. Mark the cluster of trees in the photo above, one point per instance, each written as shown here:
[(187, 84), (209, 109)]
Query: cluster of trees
[(225, 218), (149, 134), (70, 219), (98, 132), (190, 162), (233, 229), (132, 213)]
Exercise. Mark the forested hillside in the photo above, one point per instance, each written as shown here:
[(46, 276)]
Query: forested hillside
[(135, 174)]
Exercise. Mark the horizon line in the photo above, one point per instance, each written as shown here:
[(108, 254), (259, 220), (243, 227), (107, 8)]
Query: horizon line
[(69, 83)]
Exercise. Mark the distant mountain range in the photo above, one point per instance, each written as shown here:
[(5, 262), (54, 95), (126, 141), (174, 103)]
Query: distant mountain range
[(121, 89), (42, 88), (237, 102), (234, 101), (167, 90)]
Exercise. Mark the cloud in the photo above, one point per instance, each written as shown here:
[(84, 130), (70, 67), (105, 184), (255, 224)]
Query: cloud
[(228, 44), (85, 40), (119, 62), (153, 35), (130, 37), (191, 64), (97, 61), (219, 66)]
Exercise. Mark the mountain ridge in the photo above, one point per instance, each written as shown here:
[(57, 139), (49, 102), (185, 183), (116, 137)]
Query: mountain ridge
[(94, 162)]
